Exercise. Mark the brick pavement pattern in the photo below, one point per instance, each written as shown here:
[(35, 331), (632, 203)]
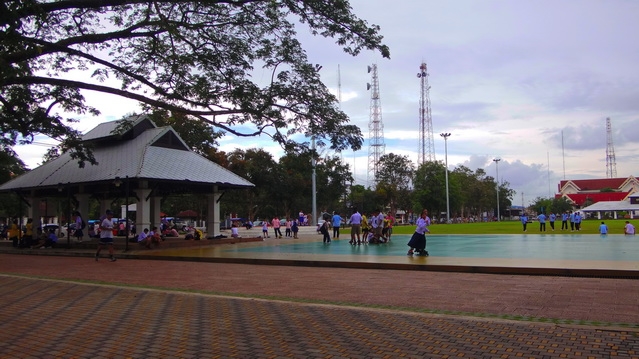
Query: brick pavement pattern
[(69, 307)]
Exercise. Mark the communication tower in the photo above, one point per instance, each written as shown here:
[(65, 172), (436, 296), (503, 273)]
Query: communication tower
[(426, 142), (611, 162), (376, 145)]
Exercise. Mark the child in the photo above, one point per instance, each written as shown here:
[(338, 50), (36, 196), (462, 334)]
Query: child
[(289, 224), (324, 232), (365, 230), (603, 229), (235, 233), (265, 230), (294, 228)]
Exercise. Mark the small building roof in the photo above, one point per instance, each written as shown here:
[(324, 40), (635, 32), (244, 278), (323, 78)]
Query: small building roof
[(580, 199), (595, 184), (611, 206)]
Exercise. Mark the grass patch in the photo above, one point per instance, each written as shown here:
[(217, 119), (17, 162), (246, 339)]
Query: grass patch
[(590, 226)]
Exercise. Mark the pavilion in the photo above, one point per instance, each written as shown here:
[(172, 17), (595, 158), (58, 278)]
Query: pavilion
[(136, 160)]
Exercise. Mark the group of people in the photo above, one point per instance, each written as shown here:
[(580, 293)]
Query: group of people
[(568, 218), (45, 238), (374, 230), (291, 228)]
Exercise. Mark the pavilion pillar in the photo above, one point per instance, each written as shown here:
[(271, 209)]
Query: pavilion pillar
[(143, 210), (35, 213), (615, 214), (155, 211), (213, 213), (104, 205), (83, 204), (598, 215)]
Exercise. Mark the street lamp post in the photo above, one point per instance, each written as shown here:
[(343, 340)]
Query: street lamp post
[(445, 136), (496, 160)]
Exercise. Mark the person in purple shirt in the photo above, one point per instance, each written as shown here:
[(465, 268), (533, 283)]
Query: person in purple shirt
[(356, 226)]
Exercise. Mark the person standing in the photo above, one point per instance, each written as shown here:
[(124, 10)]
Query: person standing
[(552, 221), (265, 229), (629, 229), (28, 234), (276, 227), (356, 226), (524, 220), (337, 222), (289, 224), (577, 221), (301, 217), (324, 231), (389, 220), (571, 219), (417, 242), (294, 228), (14, 233), (564, 221), (603, 229), (365, 229), (106, 236), (377, 224), (542, 222), (79, 226)]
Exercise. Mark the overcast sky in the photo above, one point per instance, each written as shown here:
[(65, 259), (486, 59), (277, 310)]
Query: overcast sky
[(507, 79)]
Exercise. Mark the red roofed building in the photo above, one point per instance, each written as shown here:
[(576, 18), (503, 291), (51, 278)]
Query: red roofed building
[(590, 191)]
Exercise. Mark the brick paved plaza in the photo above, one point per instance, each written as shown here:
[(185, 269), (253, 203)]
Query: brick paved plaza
[(73, 307)]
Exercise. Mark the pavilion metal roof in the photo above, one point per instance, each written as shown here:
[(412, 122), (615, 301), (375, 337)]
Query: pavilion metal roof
[(155, 153)]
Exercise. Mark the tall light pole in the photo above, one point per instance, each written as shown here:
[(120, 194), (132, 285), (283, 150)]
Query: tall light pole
[(445, 136), (496, 160)]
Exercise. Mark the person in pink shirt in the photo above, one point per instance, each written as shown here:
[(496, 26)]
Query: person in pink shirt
[(276, 227)]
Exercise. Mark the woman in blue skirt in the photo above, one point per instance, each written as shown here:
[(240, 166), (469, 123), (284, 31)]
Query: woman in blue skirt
[(417, 242)]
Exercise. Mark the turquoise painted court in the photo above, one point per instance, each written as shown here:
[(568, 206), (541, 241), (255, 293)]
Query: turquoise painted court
[(561, 254), (570, 247)]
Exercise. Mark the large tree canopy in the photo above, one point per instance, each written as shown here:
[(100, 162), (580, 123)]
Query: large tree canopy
[(192, 57)]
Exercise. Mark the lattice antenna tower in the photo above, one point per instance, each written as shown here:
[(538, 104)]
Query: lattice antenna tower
[(426, 142), (376, 146), (611, 162)]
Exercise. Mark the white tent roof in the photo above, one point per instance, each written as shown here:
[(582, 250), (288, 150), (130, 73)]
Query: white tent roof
[(611, 206)]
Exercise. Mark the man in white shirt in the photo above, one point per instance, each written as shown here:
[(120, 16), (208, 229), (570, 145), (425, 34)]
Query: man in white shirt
[(106, 236)]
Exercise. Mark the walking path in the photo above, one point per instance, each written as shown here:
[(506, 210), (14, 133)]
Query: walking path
[(73, 307)]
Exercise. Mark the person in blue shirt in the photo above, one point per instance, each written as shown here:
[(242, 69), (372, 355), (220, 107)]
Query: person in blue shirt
[(552, 221), (337, 221), (603, 229), (571, 218), (542, 222), (564, 221), (577, 221), (524, 220)]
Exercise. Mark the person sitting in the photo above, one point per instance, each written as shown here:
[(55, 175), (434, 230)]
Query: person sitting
[(197, 234), (235, 233), (170, 232), (144, 239), (155, 236), (49, 240)]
